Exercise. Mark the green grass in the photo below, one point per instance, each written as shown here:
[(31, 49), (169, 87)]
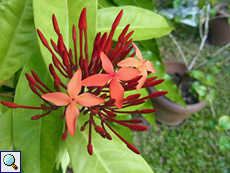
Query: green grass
[(189, 148)]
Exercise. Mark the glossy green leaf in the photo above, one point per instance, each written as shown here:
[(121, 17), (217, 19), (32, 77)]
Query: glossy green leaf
[(197, 74), (224, 143), (224, 122), (108, 156), (17, 32), (168, 84), (219, 129), (105, 3), (6, 132), (145, 23), (210, 80), (63, 159), (201, 90), (38, 140), (147, 4), (67, 13)]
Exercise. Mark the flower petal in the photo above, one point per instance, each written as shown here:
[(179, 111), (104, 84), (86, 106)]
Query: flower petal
[(71, 115), (144, 77), (74, 85), (87, 100), (126, 73), (58, 98), (150, 67), (129, 62), (116, 92), (138, 52), (96, 80), (106, 64)]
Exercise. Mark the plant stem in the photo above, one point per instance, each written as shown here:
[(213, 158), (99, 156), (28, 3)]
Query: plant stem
[(6, 95), (203, 39), (180, 50)]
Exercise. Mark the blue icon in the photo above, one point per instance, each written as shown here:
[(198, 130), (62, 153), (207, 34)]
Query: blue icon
[(9, 160)]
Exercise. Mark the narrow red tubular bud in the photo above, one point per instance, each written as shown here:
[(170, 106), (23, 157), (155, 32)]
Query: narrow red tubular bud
[(100, 130), (132, 97), (56, 28), (35, 117), (43, 39), (54, 45), (56, 86), (123, 33), (34, 89), (85, 112), (138, 128), (31, 79), (66, 59), (153, 83), (64, 136), (82, 20), (117, 20), (71, 58), (110, 102), (44, 107), (135, 79), (74, 33), (90, 149), (127, 37), (108, 136), (104, 96), (82, 128), (132, 121), (53, 73), (94, 112), (103, 41), (9, 104), (111, 114), (146, 111), (158, 94), (150, 79), (61, 46), (131, 86), (131, 147)]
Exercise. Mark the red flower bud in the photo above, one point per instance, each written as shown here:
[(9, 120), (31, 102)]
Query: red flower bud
[(90, 149), (138, 128), (31, 79), (64, 136), (146, 111), (43, 39), (100, 130), (131, 147), (35, 117), (56, 28), (108, 136), (9, 104)]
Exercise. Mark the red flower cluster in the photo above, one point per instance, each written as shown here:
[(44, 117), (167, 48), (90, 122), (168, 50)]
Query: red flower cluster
[(97, 85)]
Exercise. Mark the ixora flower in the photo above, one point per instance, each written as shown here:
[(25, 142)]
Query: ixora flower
[(143, 65), (98, 85)]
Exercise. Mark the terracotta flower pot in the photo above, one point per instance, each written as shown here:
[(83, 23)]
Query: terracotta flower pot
[(169, 112), (219, 28)]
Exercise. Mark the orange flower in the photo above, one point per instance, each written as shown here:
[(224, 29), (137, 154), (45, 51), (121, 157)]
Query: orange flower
[(115, 88), (143, 65), (71, 100)]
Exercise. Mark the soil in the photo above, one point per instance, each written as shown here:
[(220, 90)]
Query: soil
[(185, 88)]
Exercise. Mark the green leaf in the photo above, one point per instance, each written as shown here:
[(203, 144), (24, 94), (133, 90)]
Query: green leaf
[(197, 74), (214, 70), (210, 80), (224, 143), (18, 39), (67, 13), (177, 3), (201, 90), (224, 122), (195, 84), (62, 158), (108, 156), (38, 140), (168, 84), (6, 132), (211, 95), (147, 4), (146, 24), (105, 3), (219, 129)]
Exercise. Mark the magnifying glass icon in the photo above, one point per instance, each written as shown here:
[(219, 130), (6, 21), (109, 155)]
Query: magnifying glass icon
[(9, 160)]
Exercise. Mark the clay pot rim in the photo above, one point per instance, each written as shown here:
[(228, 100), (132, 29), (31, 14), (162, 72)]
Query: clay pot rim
[(165, 102)]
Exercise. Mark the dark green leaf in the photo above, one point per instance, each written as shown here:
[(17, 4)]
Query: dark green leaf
[(105, 3), (224, 122), (197, 74), (6, 131), (18, 39), (224, 143), (146, 24), (38, 140), (147, 4)]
